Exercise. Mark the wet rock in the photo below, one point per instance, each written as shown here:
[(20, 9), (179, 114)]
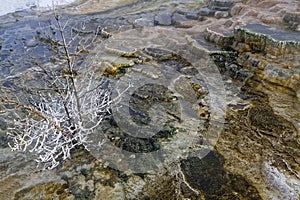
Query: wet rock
[(163, 19)]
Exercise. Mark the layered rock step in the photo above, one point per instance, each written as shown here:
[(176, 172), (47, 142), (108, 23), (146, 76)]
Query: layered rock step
[(270, 54), (256, 38), (278, 58), (267, 39), (217, 8)]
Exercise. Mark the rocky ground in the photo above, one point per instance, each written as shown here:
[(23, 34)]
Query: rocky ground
[(254, 47)]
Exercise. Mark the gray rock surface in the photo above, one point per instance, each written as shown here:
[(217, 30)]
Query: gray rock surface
[(206, 12), (163, 19), (144, 21)]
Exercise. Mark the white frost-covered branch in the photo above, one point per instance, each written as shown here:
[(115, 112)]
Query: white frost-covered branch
[(63, 113), (50, 132)]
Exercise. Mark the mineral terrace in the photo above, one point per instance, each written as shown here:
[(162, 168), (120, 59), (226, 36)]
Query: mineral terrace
[(254, 45)]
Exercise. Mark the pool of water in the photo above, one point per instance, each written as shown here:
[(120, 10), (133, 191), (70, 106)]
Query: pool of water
[(9, 6)]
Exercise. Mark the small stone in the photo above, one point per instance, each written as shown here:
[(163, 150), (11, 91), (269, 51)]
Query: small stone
[(221, 3), (163, 19), (138, 23), (189, 14), (183, 11), (144, 21), (192, 15), (177, 18), (221, 14), (220, 8), (206, 12)]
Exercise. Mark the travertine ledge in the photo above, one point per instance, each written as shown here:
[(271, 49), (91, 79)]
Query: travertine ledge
[(267, 39)]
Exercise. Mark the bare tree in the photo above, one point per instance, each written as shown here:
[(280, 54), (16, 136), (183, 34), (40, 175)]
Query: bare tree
[(52, 120)]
